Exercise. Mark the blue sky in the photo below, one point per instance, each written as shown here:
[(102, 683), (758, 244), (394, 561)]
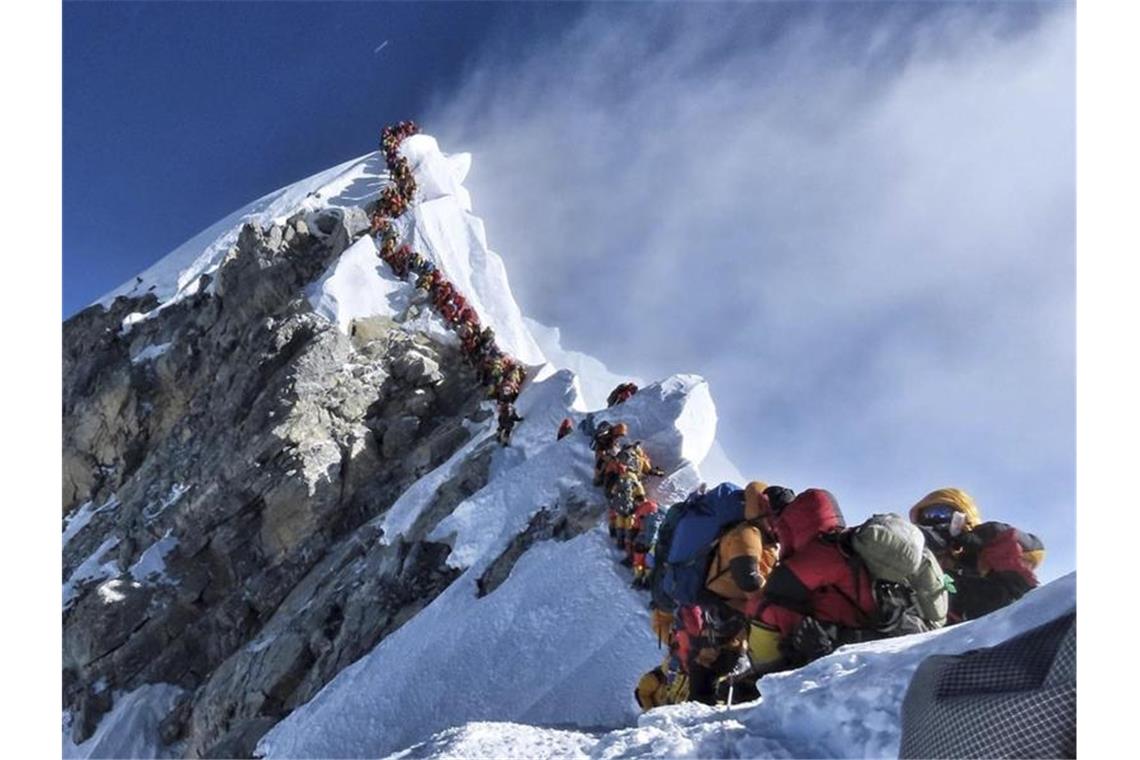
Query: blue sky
[(855, 219), (175, 114)]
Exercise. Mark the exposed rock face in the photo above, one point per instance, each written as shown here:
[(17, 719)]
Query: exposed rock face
[(560, 523), (223, 458)]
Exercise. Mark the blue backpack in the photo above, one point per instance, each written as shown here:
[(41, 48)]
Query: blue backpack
[(647, 536), (683, 565)]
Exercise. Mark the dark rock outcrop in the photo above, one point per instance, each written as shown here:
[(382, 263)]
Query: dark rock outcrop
[(229, 452)]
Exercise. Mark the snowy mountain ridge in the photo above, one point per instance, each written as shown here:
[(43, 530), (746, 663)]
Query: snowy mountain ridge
[(409, 579)]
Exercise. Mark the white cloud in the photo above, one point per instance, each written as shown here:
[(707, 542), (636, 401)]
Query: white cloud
[(860, 229)]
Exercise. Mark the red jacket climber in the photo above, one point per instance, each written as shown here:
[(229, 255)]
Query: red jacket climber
[(815, 575), (991, 564), (621, 394)]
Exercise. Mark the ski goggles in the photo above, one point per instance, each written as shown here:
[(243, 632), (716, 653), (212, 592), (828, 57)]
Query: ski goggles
[(936, 514)]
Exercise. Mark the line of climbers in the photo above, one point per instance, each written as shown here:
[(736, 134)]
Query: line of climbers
[(751, 581), (619, 468), (500, 373)]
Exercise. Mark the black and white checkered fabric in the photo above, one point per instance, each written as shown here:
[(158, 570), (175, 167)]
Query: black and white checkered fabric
[(1016, 699)]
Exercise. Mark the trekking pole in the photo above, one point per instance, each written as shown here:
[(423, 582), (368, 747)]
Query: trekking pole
[(731, 687)]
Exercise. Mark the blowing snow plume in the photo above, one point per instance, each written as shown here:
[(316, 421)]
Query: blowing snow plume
[(856, 221)]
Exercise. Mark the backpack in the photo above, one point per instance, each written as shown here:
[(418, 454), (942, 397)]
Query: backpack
[(650, 528), (695, 533), (623, 500), (673, 515), (890, 545), (907, 580), (630, 457)]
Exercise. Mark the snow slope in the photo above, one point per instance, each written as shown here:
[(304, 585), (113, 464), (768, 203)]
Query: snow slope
[(844, 705)]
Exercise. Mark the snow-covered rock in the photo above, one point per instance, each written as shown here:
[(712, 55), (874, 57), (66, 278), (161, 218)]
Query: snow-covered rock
[(177, 275)]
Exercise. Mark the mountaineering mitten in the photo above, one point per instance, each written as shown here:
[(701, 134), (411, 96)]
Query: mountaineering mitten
[(810, 640), (970, 542), (740, 669)]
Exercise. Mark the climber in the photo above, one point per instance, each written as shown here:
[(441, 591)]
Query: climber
[(399, 260), (418, 264), (739, 564), (392, 204), (746, 552), (451, 309), (387, 230), (516, 373), (467, 316), (388, 241), (991, 564), (511, 384), (485, 362), (486, 341), (508, 418), (623, 496), (428, 279), (468, 333), (503, 387), (621, 393), (496, 368), (646, 520), (441, 292), (606, 444), (622, 483), (565, 428), (629, 458), (687, 546), (834, 586), (379, 224)]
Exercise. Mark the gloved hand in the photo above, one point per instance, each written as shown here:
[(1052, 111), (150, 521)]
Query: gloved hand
[(811, 640), (741, 668), (968, 541)]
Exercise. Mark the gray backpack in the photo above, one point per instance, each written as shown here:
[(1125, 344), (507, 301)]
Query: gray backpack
[(904, 570)]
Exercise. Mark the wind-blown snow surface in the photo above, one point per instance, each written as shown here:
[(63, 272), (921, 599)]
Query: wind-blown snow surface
[(844, 705), (560, 642)]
